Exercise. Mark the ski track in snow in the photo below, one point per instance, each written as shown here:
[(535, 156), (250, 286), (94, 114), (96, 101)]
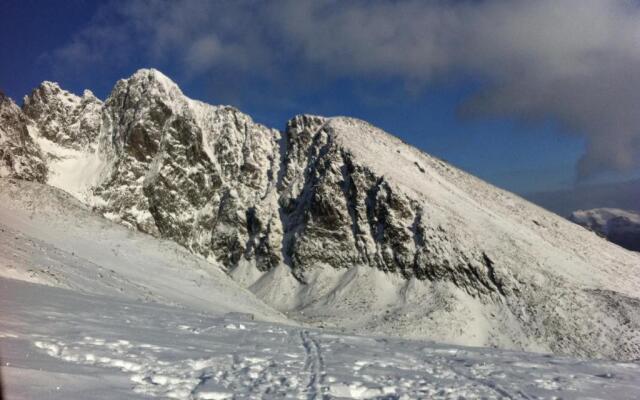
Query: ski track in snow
[(314, 365)]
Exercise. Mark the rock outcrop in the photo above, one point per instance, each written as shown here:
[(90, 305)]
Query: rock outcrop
[(20, 157), (62, 117)]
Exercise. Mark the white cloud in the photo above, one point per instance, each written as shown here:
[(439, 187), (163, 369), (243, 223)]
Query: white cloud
[(204, 53)]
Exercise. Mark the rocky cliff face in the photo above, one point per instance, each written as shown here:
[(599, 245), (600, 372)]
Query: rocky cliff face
[(63, 117), (339, 223), (339, 212), (198, 174), (20, 157)]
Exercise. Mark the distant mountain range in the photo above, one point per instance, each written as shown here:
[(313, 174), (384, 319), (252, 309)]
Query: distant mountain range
[(331, 220), (620, 195), (618, 226)]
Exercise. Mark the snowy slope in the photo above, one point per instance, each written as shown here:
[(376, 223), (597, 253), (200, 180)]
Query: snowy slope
[(618, 226), (69, 345), (339, 224), (49, 238)]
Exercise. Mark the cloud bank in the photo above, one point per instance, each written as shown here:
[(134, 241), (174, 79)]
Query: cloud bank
[(574, 61)]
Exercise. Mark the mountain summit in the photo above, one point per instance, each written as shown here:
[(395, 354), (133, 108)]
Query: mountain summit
[(331, 220)]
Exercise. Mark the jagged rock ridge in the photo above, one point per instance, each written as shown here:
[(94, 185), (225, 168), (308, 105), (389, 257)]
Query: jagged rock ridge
[(20, 157), (338, 222)]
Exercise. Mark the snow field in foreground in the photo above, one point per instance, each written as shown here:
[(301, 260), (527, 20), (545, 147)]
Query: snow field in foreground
[(69, 345)]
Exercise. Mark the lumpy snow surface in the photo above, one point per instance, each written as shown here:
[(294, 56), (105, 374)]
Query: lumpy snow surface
[(69, 345)]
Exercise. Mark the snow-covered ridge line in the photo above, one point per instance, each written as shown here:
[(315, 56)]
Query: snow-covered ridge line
[(340, 223)]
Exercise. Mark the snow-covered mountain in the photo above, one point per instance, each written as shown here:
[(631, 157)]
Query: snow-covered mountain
[(93, 310), (338, 223), (618, 226)]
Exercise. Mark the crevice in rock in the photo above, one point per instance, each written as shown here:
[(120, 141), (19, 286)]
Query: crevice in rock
[(497, 283), (350, 192), (293, 215)]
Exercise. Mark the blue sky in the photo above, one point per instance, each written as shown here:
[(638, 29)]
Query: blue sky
[(468, 101)]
